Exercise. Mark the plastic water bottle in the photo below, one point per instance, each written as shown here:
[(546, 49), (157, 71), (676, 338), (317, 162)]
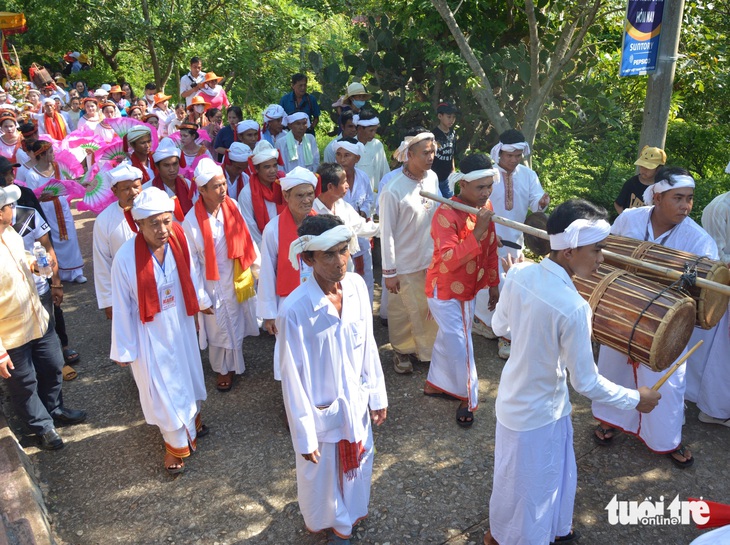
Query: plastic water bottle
[(41, 257)]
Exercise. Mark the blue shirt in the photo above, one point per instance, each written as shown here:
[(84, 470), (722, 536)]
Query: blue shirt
[(223, 139), (308, 105)]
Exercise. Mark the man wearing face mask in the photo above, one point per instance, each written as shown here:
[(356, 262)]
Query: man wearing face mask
[(150, 90), (192, 82)]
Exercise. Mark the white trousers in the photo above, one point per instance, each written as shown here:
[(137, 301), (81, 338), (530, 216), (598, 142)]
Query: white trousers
[(453, 369), (535, 477), (712, 389), (481, 309)]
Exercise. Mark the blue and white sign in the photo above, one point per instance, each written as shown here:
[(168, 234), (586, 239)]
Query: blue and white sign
[(642, 29)]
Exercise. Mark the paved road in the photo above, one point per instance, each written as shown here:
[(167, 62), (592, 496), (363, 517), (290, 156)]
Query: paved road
[(432, 479)]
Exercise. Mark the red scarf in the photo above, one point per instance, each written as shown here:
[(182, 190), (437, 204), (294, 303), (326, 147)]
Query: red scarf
[(287, 279), (137, 163), (55, 126), (149, 299), (350, 457), (260, 193), (184, 194), (238, 239), (130, 220)]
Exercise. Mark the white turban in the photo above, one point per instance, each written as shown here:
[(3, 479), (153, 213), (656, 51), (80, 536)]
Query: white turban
[(274, 111), (263, 151), (165, 149), (239, 152), (150, 202), (124, 172), (206, 170), (48, 100), (137, 132), (524, 147), (9, 194), (471, 176), (365, 122), (678, 180), (298, 176), (247, 125), (401, 154), (355, 149), (581, 232), (99, 93), (323, 242), (296, 117)]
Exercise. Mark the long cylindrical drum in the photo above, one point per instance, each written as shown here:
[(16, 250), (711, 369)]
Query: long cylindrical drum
[(711, 305), (638, 317)]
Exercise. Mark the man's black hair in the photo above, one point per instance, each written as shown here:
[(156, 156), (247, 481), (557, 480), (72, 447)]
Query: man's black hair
[(345, 117), (571, 210), (330, 174), (194, 60), (296, 78), (667, 174), (511, 136), (152, 86), (475, 161)]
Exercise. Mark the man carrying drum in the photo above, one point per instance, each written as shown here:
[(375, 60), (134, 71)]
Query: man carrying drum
[(665, 220), (535, 472)]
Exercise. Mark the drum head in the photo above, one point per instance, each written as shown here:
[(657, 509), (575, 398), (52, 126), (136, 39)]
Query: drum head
[(538, 246)]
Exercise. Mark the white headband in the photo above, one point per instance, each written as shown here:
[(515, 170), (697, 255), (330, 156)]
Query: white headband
[(239, 152), (150, 202), (355, 149), (165, 149), (524, 147), (296, 117), (206, 170), (323, 242), (471, 176), (365, 122), (581, 232), (247, 125), (401, 154), (274, 111), (678, 180), (125, 172), (298, 176), (263, 151)]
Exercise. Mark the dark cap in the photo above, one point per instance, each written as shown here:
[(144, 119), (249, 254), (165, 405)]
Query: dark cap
[(6, 165), (446, 108)]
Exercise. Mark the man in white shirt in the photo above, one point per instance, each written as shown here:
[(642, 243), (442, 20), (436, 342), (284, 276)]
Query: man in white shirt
[(535, 472), (192, 82), (228, 260), (332, 381), (665, 220), (235, 164), (113, 227), (332, 201), (298, 148), (518, 192), (373, 161), (407, 249), (348, 129)]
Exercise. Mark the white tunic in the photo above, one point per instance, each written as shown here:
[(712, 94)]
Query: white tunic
[(232, 184), (405, 223), (244, 202), (231, 321), (68, 253), (373, 162), (361, 195), (289, 164), (164, 353), (111, 230), (661, 429), (331, 376), (716, 221)]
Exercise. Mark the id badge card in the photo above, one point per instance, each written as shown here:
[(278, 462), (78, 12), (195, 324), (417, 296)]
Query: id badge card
[(167, 296), (305, 271)]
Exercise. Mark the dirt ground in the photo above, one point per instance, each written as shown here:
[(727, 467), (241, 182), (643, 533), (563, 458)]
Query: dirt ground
[(432, 480)]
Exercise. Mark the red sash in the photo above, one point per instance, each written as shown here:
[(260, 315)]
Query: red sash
[(55, 127), (287, 279), (137, 163), (260, 193), (184, 194), (238, 239), (149, 300)]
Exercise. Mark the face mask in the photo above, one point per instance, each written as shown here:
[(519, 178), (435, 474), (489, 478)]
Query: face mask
[(358, 103), (199, 109)]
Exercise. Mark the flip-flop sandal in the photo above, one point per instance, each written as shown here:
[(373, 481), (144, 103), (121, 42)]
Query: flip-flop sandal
[(568, 538), (175, 470), (682, 465), (225, 382), (70, 356), (439, 395), (606, 440), (202, 432), (463, 412), (68, 373)]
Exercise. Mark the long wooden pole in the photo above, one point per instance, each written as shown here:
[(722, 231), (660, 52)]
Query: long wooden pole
[(663, 271), (676, 366)]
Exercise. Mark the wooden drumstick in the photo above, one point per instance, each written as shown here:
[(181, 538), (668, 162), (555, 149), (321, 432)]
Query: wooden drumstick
[(676, 366)]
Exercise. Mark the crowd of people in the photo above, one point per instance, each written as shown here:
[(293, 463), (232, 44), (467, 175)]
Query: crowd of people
[(214, 233)]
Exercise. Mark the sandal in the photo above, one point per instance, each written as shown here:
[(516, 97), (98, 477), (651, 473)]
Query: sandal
[(68, 373), (682, 464), (202, 432), (605, 440), (70, 356), (567, 538), (175, 467), (225, 382), (464, 417)]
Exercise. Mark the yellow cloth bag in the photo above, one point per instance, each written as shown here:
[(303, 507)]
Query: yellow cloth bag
[(242, 282)]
